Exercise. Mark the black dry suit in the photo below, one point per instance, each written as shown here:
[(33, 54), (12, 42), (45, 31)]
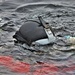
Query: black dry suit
[(32, 31)]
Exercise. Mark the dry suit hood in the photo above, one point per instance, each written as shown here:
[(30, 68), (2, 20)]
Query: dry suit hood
[(35, 32)]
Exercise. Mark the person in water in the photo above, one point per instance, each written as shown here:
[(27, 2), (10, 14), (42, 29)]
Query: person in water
[(35, 32)]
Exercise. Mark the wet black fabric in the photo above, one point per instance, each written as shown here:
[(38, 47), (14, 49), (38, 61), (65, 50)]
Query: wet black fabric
[(30, 32)]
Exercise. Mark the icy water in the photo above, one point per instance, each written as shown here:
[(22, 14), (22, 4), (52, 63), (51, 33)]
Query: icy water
[(56, 59)]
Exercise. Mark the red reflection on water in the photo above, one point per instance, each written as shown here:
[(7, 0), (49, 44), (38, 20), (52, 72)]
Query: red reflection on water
[(46, 69), (16, 66), (38, 69), (68, 69)]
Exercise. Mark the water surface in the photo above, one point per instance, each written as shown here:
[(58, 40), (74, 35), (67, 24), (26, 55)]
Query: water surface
[(59, 57)]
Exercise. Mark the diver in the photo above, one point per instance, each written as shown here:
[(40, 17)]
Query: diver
[(34, 32)]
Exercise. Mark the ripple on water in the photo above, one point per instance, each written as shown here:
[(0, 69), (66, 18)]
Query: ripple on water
[(61, 18)]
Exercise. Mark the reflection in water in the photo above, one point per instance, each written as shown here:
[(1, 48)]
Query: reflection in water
[(37, 69), (58, 58)]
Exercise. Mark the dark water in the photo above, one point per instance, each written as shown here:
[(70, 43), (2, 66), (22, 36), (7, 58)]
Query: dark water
[(61, 16)]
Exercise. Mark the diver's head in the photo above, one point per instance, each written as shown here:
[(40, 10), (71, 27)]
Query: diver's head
[(35, 32)]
